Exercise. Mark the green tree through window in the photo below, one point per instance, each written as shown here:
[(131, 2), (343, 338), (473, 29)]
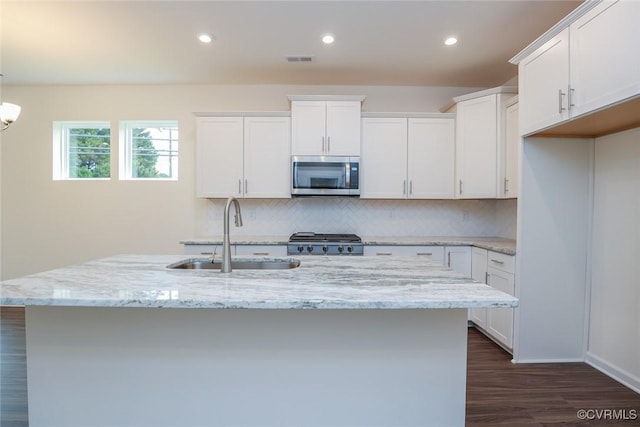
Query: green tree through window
[(90, 152), (145, 155)]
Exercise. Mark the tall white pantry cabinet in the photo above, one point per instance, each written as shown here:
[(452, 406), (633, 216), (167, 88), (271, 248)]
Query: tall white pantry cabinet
[(579, 203)]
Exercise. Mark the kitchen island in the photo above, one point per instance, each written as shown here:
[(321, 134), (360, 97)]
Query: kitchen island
[(339, 341)]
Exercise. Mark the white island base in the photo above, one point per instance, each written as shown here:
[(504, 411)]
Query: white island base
[(92, 366)]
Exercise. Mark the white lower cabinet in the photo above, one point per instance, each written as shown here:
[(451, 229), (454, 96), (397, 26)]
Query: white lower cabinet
[(434, 253), (479, 273), (458, 258), (496, 270), (261, 250), (242, 250)]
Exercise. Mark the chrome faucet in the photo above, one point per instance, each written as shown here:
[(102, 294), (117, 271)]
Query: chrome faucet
[(226, 247)]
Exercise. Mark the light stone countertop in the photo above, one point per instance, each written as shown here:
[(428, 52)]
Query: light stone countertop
[(324, 282), (505, 246)]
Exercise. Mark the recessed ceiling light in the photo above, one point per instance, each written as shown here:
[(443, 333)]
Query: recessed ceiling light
[(328, 39), (205, 38), (450, 41)]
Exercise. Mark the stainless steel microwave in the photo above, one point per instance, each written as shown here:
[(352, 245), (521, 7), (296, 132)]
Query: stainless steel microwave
[(325, 176)]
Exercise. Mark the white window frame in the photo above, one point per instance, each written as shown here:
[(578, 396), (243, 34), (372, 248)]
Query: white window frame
[(126, 148), (61, 148)]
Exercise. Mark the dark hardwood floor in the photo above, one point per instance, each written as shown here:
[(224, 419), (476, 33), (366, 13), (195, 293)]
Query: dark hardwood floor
[(499, 393)]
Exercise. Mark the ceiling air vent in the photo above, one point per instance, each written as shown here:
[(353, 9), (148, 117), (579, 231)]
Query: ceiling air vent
[(307, 58)]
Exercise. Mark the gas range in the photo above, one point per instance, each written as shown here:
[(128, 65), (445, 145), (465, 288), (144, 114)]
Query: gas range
[(306, 243)]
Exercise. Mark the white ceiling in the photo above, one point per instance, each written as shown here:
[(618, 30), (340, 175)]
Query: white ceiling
[(377, 42)]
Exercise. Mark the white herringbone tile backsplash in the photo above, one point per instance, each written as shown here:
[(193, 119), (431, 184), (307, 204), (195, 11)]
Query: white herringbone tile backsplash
[(277, 217)]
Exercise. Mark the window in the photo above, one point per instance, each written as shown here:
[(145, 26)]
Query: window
[(149, 150), (81, 150)]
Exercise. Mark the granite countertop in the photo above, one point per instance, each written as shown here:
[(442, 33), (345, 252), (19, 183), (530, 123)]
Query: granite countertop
[(319, 283), (497, 244)]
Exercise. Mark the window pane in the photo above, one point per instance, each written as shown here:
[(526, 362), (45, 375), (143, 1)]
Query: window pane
[(89, 152), (154, 152)]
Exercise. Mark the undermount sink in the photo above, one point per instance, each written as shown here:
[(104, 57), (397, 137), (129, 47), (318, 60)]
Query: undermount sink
[(237, 264)]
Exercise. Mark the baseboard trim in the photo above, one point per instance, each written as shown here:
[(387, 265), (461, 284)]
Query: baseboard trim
[(620, 375), (569, 360)]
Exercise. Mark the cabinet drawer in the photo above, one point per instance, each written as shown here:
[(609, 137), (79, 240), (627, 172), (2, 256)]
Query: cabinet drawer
[(261, 250), (435, 253), (202, 250), (500, 261)]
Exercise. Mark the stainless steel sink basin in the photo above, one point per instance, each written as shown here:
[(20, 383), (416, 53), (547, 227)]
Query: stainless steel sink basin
[(237, 264)]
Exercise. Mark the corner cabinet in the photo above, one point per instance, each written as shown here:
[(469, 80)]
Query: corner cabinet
[(325, 127), (585, 63), (509, 170), (408, 158), (243, 157), (480, 142)]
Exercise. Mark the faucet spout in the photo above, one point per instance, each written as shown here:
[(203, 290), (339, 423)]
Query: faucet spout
[(226, 246)]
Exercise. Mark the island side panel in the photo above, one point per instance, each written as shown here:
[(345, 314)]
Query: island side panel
[(194, 367)]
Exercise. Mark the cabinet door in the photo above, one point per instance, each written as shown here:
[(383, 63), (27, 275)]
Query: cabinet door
[(605, 65), (343, 128), (383, 173), (267, 161), (219, 156), (308, 126), (544, 81), (476, 147), (509, 187), (500, 320), (458, 258), (430, 158), (479, 273)]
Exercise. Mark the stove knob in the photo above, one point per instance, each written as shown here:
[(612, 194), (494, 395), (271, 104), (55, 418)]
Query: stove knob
[(340, 248), (349, 249), (300, 248), (325, 249), (310, 248)]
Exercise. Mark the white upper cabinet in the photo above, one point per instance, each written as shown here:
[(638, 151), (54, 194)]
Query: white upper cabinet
[(267, 158), (431, 158), (512, 147), (605, 65), (219, 151), (544, 82), (588, 62), (325, 128), (407, 158), (383, 171), (479, 141), (243, 157)]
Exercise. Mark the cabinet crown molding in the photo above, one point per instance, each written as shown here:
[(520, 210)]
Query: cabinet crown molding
[(555, 30), (358, 98)]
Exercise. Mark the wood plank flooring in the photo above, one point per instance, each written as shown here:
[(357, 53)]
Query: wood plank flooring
[(499, 393)]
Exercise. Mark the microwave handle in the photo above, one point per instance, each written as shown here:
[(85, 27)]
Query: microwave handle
[(347, 175)]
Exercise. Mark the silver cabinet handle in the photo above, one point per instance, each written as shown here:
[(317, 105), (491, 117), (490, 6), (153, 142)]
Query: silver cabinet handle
[(383, 253), (246, 186), (560, 107), (206, 253), (323, 145), (411, 186), (497, 261), (328, 144), (570, 101), (261, 253), (449, 260), (506, 186), (460, 187), (239, 186), (486, 277), (424, 254), (404, 187)]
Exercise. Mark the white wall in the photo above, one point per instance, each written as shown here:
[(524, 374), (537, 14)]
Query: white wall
[(553, 236), (614, 328), (47, 224)]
